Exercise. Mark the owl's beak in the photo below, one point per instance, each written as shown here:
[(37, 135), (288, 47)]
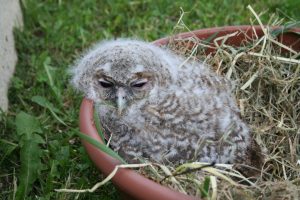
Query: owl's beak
[(121, 100)]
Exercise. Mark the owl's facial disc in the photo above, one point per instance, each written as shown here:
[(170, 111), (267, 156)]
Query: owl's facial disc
[(123, 90), (122, 98)]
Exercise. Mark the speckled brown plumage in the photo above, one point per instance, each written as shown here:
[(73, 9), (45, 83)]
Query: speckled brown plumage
[(159, 107)]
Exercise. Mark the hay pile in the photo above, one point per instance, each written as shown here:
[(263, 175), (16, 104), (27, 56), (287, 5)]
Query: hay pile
[(266, 74)]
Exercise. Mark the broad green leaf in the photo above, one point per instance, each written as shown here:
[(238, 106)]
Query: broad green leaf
[(27, 124), (30, 164), (34, 137), (100, 146), (46, 104)]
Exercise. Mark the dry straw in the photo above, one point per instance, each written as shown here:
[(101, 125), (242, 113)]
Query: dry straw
[(267, 89)]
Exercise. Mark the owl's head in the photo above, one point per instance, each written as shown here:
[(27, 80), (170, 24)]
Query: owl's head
[(122, 72)]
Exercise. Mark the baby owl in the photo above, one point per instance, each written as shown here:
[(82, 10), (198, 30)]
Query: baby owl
[(160, 107)]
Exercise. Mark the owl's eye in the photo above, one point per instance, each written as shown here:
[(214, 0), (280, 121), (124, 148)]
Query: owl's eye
[(139, 84), (105, 84)]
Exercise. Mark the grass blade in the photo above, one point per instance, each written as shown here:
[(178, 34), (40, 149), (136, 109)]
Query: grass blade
[(100, 146), (98, 126), (205, 187), (46, 104), (8, 147)]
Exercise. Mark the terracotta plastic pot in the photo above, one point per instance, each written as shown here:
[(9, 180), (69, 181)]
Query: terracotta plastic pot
[(131, 184)]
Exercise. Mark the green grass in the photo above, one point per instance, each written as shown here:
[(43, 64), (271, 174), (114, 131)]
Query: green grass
[(43, 107)]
